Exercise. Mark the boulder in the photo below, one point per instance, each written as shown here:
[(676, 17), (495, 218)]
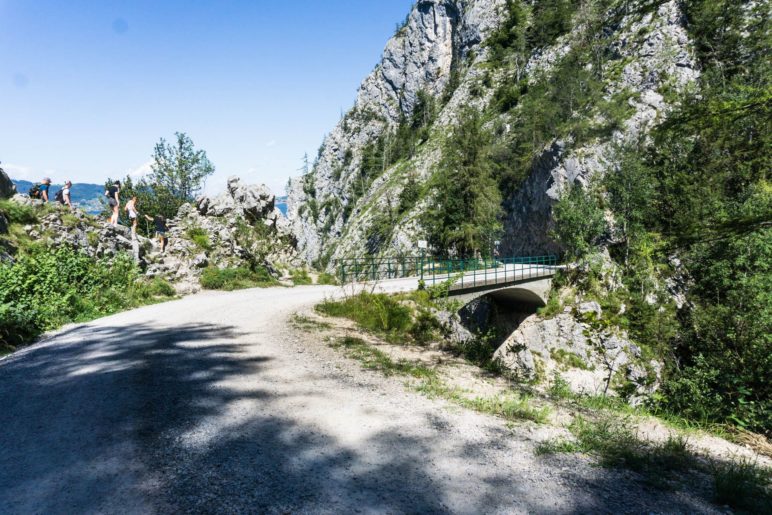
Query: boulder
[(7, 188)]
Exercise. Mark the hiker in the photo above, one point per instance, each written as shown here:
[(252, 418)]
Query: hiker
[(63, 195), (160, 230), (131, 208), (40, 191), (113, 200)]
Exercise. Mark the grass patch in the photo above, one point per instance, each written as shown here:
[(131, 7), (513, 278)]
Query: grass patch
[(742, 485), (18, 213), (230, 279), (70, 221), (556, 446), (374, 359), (199, 237), (327, 279), (373, 311), (308, 324), (560, 389), (509, 407), (300, 277), (616, 445), (568, 359)]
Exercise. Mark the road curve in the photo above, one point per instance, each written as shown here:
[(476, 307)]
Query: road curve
[(209, 404)]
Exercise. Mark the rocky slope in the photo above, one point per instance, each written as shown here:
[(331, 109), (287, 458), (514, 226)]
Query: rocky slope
[(442, 51), (239, 228)]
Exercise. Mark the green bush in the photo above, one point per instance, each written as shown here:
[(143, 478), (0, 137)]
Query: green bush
[(300, 277), (17, 213), (200, 237), (374, 311), (236, 278), (325, 278), (45, 288)]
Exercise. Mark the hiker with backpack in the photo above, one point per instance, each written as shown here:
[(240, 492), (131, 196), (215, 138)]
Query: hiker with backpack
[(160, 230), (63, 195), (113, 200), (40, 190)]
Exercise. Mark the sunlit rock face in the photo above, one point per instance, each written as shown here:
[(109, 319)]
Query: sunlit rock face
[(442, 51)]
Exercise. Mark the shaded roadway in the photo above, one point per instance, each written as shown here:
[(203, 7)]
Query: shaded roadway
[(207, 404)]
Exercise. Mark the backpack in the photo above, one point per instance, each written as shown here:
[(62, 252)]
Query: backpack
[(34, 191), (60, 196)]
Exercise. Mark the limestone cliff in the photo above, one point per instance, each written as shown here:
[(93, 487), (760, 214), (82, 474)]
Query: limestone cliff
[(443, 51)]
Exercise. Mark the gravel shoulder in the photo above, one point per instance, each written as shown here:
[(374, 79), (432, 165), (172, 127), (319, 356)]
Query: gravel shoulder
[(215, 403)]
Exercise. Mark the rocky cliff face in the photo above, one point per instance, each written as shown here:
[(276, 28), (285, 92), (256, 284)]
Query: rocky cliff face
[(422, 57), (442, 51)]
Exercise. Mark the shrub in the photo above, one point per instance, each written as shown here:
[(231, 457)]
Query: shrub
[(374, 311), (325, 278), (300, 277), (230, 279), (200, 237), (17, 213), (45, 288), (742, 485)]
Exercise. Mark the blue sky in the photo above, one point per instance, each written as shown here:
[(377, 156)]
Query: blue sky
[(88, 88)]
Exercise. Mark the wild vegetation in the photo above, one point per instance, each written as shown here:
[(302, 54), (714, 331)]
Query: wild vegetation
[(696, 202), (46, 287), (177, 175), (239, 278)]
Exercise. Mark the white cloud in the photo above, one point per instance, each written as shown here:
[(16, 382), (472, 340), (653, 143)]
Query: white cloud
[(271, 143), (142, 170)]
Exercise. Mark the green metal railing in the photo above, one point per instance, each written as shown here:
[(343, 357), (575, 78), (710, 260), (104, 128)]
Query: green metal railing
[(465, 273)]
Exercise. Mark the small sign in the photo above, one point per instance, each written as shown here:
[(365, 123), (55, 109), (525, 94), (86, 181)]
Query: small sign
[(423, 244), (497, 243)]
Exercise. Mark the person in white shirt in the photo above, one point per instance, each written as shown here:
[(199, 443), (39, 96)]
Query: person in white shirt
[(66, 200)]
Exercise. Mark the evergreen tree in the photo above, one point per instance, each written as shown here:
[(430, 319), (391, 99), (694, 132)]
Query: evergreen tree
[(467, 210)]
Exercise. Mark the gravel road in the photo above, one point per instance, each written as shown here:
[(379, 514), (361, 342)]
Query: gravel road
[(214, 404)]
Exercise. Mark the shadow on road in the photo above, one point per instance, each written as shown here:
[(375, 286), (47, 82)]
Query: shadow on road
[(119, 420)]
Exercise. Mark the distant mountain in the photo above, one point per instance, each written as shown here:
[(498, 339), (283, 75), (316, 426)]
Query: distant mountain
[(86, 196)]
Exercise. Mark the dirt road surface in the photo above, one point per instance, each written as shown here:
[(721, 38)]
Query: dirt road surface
[(213, 404)]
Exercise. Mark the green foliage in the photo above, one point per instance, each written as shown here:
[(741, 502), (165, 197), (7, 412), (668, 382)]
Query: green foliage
[(236, 278), (373, 311), (509, 38), (18, 213), (300, 277), (375, 359), (559, 388), (200, 237), (743, 486), (45, 288), (579, 221), (180, 169), (551, 19), (328, 279), (465, 215)]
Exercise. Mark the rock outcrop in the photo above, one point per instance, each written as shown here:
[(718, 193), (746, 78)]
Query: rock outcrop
[(239, 228), (7, 188), (442, 51), (591, 361), (95, 237)]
